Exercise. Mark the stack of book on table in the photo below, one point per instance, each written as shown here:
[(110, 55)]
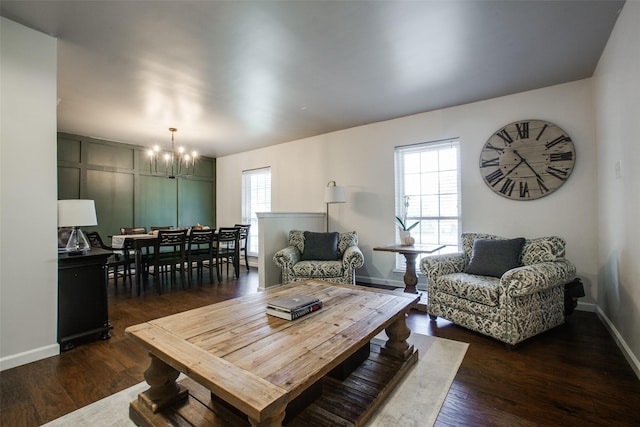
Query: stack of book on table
[(293, 307)]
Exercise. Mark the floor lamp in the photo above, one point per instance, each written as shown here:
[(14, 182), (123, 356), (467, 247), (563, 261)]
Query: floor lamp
[(333, 194)]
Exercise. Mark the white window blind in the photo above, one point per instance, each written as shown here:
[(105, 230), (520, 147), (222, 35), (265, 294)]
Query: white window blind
[(428, 191), (256, 197)]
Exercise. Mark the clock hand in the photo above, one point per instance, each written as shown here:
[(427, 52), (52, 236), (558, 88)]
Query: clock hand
[(523, 160), (514, 168)]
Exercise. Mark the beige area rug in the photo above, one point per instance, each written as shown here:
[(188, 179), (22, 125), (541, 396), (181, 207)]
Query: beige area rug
[(415, 402)]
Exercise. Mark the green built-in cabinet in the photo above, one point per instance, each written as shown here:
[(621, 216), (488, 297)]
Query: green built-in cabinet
[(117, 176)]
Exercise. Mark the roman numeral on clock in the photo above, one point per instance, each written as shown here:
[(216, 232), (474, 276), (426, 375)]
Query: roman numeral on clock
[(524, 189), (491, 162), (543, 188), (507, 187), (558, 157), (494, 177), (557, 141), (542, 131), (558, 173), (505, 136), (491, 147), (523, 130)]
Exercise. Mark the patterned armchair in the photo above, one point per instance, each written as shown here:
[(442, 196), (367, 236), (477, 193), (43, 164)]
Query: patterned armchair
[(522, 302), (339, 268)]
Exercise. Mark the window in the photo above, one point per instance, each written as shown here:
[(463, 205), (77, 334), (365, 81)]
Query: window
[(428, 191), (256, 197)]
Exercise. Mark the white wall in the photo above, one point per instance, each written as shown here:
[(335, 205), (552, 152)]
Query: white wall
[(28, 208), (361, 159), (617, 109), (273, 233)]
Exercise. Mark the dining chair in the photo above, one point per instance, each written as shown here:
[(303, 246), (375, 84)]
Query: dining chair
[(200, 249), (169, 255), (227, 249), (244, 240), (115, 261)]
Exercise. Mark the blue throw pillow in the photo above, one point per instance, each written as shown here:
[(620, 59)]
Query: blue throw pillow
[(320, 246), (494, 257)]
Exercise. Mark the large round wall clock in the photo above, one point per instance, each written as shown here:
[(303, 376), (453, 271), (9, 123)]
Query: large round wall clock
[(527, 160)]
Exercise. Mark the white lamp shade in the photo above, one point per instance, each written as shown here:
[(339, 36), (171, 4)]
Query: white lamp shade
[(334, 194), (76, 213)]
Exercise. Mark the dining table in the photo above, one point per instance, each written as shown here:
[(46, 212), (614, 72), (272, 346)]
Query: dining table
[(138, 242)]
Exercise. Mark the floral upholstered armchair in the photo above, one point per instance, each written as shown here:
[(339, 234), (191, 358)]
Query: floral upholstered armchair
[(508, 289), (327, 256)]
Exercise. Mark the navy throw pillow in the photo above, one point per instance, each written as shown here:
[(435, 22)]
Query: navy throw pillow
[(494, 257), (320, 246)]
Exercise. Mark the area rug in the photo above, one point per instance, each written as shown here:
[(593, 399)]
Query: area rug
[(415, 402)]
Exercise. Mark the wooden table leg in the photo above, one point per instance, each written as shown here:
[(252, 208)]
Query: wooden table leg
[(274, 421), (163, 390), (410, 276), (397, 345)]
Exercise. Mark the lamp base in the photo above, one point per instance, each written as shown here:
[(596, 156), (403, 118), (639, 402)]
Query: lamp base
[(77, 243)]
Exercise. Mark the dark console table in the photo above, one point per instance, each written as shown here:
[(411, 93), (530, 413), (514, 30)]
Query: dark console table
[(82, 297)]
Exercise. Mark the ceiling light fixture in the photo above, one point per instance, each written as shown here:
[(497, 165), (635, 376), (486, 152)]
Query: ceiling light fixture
[(177, 163)]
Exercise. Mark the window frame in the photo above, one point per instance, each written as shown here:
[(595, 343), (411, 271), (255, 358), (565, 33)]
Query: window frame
[(250, 206), (426, 220)]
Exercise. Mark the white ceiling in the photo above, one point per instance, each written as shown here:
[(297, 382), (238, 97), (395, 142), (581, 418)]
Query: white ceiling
[(238, 75)]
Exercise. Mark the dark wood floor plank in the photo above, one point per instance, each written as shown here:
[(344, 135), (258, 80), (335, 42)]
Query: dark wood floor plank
[(572, 375), (20, 414)]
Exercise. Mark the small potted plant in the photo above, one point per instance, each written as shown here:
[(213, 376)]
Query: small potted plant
[(405, 232)]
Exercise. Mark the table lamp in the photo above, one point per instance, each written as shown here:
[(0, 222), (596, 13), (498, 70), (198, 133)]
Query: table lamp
[(77, 213), (333, 194)]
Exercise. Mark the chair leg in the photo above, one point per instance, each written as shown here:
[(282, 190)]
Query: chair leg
[(182, 276), (127, 273), (219, 268), (157, 274), (246, 258), (115, 276)]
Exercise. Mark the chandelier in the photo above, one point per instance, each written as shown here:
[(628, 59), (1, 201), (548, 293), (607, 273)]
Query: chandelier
[(176, 162)]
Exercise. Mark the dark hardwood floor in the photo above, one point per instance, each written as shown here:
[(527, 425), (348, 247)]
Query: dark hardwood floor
[(574, 375)]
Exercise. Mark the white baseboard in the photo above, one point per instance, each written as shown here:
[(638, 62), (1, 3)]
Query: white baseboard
[(586, 306), (14, 360), (377, 281), (622, 344)]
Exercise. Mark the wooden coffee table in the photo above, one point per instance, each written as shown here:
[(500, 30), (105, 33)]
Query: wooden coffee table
[(256, 364)]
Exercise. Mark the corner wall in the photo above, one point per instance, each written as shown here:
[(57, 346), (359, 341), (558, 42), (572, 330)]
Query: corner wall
[(28, 208), (617, 112)]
